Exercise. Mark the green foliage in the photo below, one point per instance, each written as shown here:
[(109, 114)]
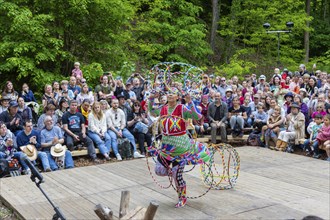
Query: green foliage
[(322, 62), (170, 31), (237, 66), (40, 40), (92, 73), (126, 70)]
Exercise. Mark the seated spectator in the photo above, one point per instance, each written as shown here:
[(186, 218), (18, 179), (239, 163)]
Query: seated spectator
[(319, 110), (273, 127), (138, 87), (223, 87), (50, 111), (248, 88), (262, 83), (314, 131), (24, 110), (304, 96), (56, 90), (236, 116), (62, 108), (203, 124), (294, 84), (11, 118), (27, 94), (288, 100), (247, 101), (73, 86), (65, 90), (303, 107), (85, 94), (76, 72), (124, 105), (228, 99), (85, 109), (75, 130), (137, 124), (8, 147), (49, 96), (120, 88), (51, 135), (104, 90), (259, 117), (253, 105), (117, 126), (97, 130), (4, 101), (132, 95), (9, 91), (217, 116), (295, 131), (29, 136), (322, 136), (327, 149), (311, 87)]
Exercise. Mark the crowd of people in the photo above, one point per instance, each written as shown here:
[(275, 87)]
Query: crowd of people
[(288, 107)]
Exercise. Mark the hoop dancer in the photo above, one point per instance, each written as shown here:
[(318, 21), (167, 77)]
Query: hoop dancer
[(177, 149)]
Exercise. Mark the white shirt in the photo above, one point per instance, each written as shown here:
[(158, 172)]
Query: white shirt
[(118, 119)]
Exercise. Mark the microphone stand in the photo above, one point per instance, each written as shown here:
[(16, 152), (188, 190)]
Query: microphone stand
[(35, 174)]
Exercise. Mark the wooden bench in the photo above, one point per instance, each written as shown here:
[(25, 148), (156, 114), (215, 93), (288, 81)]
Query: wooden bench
[(203, 139)]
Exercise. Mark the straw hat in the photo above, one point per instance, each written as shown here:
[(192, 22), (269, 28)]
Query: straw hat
[(30, 151), (58, 150)]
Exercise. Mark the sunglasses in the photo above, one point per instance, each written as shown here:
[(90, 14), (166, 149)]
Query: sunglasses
[(83, 81), (116, 116), (136, 105)]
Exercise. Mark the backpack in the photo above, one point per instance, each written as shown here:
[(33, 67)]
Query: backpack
[(9, 167), (254, 140), (124, 148), (4, 168)]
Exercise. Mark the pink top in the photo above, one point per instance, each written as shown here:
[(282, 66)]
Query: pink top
[(77, 73), (323, 113), (324, 133)]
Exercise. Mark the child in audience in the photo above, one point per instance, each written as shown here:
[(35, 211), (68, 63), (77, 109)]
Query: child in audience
[(319, 110), (322, 136), (259, 117), (314, 131), (273, 131)]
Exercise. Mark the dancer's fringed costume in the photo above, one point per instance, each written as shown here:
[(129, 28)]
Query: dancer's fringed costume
[(177, 149)]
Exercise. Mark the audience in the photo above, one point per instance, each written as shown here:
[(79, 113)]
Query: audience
[(252, 104)]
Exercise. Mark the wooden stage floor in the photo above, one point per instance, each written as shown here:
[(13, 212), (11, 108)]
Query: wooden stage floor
[(271, 185)]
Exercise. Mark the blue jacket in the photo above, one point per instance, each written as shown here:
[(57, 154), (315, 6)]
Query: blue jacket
[(22, 139)]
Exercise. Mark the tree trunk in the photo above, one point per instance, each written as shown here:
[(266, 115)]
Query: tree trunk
[(306, 35), (215, 20)]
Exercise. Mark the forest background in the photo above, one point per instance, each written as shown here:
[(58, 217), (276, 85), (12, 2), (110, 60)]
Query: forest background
[(40, 40)]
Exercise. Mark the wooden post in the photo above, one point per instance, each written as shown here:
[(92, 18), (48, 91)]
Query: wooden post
[(103, 212), (151, 210), (124, 203)]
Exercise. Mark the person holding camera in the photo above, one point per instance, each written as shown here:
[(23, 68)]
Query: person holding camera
[(137, 124), (138, 85)]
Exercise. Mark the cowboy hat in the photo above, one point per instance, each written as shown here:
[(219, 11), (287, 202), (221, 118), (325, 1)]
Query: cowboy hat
[(30, 151), (58, 150)]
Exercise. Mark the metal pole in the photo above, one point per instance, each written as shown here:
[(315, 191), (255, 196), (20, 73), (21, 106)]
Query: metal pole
[(278, 48)]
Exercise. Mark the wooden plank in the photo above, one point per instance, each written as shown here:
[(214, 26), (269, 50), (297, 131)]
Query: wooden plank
[(271, 184)]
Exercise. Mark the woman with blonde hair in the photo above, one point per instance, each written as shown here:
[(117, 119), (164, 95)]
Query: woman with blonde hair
[(97, 130)]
